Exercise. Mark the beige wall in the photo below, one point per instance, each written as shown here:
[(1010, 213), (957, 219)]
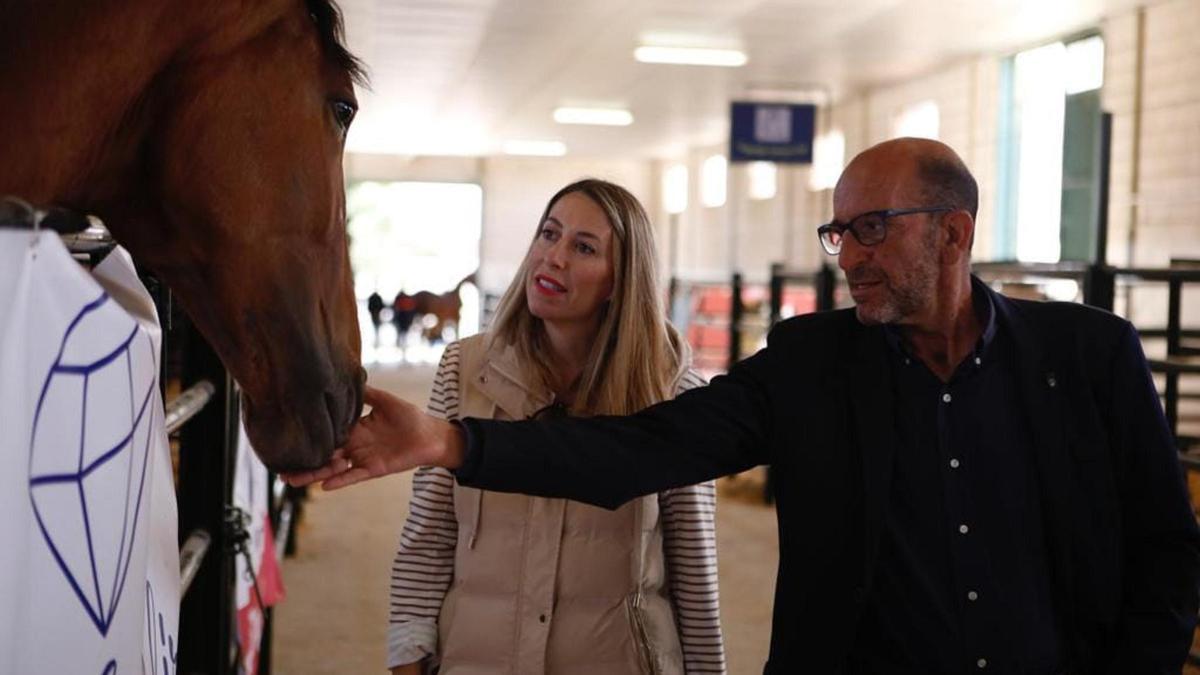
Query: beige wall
[(967, 97), (1152, 86), (515, 191)]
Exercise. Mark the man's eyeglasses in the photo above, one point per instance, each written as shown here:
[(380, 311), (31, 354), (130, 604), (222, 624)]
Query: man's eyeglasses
[(870, 228)]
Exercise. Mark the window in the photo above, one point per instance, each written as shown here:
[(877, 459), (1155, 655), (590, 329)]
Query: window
[(763, 183), (712, 181), (675, 188), (412, 236), (829, 158), (919, 119), (1048, 152)]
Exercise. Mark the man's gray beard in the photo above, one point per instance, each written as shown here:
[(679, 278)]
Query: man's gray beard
[(908, 295)]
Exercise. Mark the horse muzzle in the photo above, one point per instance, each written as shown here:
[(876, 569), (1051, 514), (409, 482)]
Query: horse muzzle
[(302, 431)]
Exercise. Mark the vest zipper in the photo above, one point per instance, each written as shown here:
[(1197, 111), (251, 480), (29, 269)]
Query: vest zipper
[(475, 522), (642, 639)]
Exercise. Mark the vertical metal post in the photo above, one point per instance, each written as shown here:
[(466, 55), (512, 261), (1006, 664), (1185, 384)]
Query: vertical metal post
[(1105, 170), (1099, 286), (776, 293), (673, 244), (206, 465), (1174, 341), (735, 319), (826, 284)]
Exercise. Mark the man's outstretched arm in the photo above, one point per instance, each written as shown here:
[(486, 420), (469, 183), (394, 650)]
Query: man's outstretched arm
[(704, 433), (707, 432)]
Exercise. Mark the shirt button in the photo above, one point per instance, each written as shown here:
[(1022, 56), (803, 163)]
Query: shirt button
[(954, 464), (542, 618), (963, 529), (982, 663), (978, 361), (945, 398), (972, 596), (908, 362)]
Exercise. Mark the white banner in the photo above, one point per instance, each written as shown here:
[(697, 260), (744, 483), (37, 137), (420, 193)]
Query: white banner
[(89, 559)]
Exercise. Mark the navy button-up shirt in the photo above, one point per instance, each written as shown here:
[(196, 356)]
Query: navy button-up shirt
[(962, 582)]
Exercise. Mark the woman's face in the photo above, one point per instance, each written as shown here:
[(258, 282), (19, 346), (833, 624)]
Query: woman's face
[(570, 264)]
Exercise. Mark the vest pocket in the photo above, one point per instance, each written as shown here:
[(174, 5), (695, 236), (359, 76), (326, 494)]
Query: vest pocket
[(641, 639)]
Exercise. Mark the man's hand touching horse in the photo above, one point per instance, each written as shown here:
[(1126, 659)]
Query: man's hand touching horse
[(394, 437)]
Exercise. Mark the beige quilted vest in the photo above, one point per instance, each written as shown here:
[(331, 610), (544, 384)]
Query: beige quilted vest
[(549, 585)]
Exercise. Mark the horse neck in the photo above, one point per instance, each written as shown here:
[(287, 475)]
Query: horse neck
[(76, 81), (80, 66), (469, 278)]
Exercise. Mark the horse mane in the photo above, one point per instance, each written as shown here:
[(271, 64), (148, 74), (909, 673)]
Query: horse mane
[(330, 28)]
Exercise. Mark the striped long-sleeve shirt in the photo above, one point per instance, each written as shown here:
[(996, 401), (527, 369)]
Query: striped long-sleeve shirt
[(424, 564)]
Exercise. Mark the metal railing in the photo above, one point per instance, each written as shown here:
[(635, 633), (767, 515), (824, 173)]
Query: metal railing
[(185, 407), (1099, 290)]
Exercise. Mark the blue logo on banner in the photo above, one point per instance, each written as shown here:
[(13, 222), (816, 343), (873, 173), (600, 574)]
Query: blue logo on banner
[(87, 477), (771, 132)]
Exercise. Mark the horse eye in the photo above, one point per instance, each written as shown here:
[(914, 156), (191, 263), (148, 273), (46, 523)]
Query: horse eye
[(344, 112)]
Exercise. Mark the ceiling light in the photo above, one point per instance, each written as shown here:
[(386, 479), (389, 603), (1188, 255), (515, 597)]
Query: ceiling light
[(613, 117), (535, 148), (691, 56)]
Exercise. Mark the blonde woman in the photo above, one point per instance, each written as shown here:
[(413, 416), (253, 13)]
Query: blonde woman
[(485, 582)]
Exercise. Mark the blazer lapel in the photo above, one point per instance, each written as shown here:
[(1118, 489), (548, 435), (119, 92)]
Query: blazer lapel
[(873, 422), (1039, 385)]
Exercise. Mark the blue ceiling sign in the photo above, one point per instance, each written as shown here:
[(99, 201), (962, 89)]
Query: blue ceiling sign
[(771, 132)]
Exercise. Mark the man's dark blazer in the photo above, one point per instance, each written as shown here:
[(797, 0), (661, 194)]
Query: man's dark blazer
[(816, 404)]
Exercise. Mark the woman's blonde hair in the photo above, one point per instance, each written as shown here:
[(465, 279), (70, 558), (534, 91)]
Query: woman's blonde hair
[(636, 356)]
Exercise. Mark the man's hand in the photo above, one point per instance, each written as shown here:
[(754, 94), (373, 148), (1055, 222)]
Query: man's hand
[(395, 436)]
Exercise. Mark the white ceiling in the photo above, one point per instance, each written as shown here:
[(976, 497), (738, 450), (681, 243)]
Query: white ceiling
[(462, 76)]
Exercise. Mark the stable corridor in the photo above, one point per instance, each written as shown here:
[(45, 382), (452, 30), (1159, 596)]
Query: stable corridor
[(334, 620)]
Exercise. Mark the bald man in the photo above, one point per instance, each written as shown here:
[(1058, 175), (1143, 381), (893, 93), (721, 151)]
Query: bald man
[(965, 482)]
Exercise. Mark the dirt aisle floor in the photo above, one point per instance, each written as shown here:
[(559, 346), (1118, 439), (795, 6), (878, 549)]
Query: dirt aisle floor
[(335, 617)]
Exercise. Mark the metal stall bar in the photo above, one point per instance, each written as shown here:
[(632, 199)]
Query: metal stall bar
[(823, 281), (206, 463), (736, 310), (1175, 364), (185, 407)]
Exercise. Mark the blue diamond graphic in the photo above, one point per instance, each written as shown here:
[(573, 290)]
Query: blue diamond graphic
[(89, 452)]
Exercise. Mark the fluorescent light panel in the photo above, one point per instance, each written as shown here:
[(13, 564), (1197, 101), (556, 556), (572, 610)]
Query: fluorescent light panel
[(691, 56), (535, 148), (611, 117)]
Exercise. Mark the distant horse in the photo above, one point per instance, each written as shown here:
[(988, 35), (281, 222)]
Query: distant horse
[(208, 136), (445, 308)]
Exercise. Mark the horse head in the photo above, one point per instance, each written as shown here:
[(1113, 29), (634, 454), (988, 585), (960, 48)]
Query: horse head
[(210, 141)]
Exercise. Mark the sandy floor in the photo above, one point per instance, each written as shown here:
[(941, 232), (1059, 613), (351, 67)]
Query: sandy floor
[(334, 619)]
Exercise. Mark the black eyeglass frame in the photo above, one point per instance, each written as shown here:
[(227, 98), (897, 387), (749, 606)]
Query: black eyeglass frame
[(884, 214)]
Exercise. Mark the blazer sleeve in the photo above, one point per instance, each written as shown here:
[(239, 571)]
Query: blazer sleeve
[(1161, 546), (424, 562), (606, 461)]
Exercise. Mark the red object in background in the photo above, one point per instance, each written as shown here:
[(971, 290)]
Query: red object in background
[(250, 616)]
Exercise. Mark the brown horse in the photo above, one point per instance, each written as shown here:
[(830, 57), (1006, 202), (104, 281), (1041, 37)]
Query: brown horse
[(443, 307), (208, 136)]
